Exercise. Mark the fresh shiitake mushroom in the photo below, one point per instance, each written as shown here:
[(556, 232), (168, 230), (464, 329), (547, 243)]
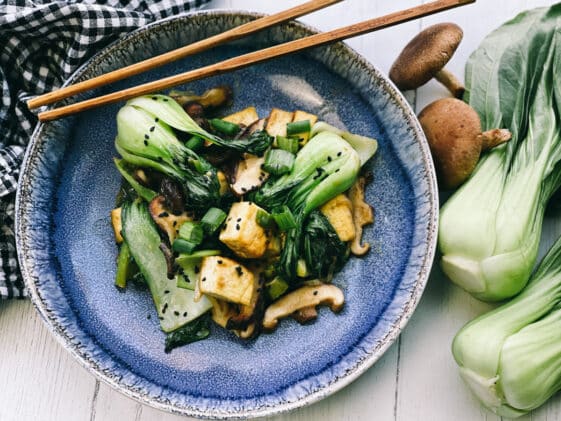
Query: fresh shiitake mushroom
[(213, 98), (425, 56), (453, 131)]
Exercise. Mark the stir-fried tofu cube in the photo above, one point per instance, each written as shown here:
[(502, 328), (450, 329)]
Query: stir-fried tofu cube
[(339, 212), (278, 119), (241, 232), (226, 280), (246, 116)]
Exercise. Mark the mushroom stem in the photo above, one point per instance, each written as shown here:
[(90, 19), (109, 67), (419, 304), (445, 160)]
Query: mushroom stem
[(494, 137), (454, 85)]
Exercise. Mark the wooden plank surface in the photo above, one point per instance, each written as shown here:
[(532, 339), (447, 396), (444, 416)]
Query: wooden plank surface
[(415, 380)]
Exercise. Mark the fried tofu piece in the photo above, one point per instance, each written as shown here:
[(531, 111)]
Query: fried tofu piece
[(226, 279), (246, 116), (339, 212), (278, 119), (241, 232)]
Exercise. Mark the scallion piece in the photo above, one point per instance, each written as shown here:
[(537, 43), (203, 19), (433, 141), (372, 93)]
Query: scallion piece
[(225, 127), (195, 143), (264, 219), (297, 127), (124, 261), (192, 231), (278, 162), (284, 218), (276, 287), (212, 219), (289, 144), (183, 246)]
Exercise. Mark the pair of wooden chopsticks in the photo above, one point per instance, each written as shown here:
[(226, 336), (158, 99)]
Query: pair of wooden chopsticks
[(229, 64)]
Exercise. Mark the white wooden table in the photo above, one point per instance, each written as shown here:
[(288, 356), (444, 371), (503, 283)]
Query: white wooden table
[(415, 380)]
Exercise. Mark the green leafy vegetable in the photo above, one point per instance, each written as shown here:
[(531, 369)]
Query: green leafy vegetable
[(143, 139), (144, 192), (490, 228), (192, 332), (511, 357), (171, 113), (175, 306), (325, 167), (324, 252)]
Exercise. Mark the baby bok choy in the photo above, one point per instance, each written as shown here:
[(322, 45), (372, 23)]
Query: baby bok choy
[(325, 167), (490, 228), (143, 139), (511, 357)]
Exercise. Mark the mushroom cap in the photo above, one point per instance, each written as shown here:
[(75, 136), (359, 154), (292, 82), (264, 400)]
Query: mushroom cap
[(452, 129), (425, 55)]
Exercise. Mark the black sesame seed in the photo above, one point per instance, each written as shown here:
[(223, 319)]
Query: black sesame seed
[(204, 279), (237, 227), (185, 314), (238, 220), (315, 292), (174, 223), (229, 219), (155, 98), (339, 153), (329, 159), (187, 279), (145, 142), (149, 316), (219, 262), (163, 215), (165, 100), (244, 189), (176, 313), (161, 318), (166, 291), (152, 128), (337, 170), (156, 119), (196, 269), (239, 270), (164, 308)]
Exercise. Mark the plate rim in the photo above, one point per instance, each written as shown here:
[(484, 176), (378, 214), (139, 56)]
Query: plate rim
[(359, 365)]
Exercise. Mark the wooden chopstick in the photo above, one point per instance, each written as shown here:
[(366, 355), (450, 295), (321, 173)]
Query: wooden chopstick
[(182, 52), (258, 56)]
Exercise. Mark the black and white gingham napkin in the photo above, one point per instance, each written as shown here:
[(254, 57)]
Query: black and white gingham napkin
[(41, 43)]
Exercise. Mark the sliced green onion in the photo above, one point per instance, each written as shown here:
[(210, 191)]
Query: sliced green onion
[(195, 143), (183, 246), (124, 261), (289, 144), (276, 287), (212, 219), (225, 127), (189, 258), (284, 218), (264, 219), (297, 127), (192, 231), (278, 162), (302, 269)]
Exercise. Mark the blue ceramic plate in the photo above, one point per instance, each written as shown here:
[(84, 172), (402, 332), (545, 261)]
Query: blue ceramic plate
[(67, 251)]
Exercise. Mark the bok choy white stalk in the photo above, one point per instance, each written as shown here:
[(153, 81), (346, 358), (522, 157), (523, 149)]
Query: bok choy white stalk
[(490, 228), (511, 357)]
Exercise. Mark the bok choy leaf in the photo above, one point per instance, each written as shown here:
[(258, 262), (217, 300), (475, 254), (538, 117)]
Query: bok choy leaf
[(490, 228)]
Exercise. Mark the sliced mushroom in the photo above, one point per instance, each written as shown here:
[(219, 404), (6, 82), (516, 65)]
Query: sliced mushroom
[(213, 98), (453, 131), (363, 214), (305, 315), (303, 297), (165, 219), (425, 56)]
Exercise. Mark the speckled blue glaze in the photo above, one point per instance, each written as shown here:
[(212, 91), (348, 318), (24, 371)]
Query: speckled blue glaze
[(67, 252)]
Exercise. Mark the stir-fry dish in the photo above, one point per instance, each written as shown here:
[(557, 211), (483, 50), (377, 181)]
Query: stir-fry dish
[(242, 220)]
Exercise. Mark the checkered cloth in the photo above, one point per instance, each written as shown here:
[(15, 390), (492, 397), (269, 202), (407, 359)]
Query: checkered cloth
[(41, 43)]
